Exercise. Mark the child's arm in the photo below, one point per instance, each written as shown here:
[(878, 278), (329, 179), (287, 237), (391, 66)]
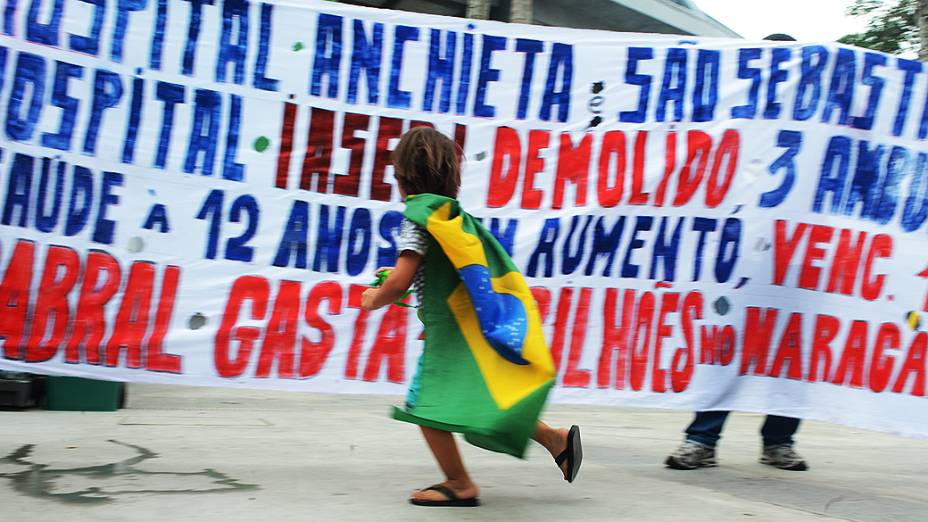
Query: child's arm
[(397, 283)]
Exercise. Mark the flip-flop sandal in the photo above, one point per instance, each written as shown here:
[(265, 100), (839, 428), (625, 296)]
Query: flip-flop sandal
[(573, 455), (453, 500)]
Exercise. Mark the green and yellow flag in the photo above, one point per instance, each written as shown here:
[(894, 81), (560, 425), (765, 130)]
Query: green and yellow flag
[(486, 370)]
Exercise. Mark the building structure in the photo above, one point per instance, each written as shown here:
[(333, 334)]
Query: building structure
[(638, 16)]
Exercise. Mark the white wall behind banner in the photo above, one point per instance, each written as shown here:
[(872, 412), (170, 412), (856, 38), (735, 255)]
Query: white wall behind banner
[(198, 194)]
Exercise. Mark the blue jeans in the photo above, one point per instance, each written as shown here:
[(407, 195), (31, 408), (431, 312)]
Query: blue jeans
[(706, 428)]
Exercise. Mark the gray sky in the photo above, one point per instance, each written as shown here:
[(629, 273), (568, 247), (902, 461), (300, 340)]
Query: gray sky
[(805, 20)]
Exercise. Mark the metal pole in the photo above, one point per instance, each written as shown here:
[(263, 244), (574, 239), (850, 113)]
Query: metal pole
[(478, 9), (521, 12)]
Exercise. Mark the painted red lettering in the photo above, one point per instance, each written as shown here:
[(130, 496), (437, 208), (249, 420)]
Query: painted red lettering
[(784, 248), (253, 289), (574, 377), (507, 156), (538, 140), (810, 274), (89, 324), (62, 266), (314, 354), (760, 324)]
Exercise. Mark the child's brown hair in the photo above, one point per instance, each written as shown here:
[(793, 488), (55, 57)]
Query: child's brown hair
[(427, 162)]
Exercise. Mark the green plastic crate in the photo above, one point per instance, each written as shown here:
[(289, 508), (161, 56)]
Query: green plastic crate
[(79, 394)]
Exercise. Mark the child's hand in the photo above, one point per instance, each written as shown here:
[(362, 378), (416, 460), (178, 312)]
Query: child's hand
[(368, 299)]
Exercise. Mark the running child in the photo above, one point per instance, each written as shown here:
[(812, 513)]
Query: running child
[(485, 370)]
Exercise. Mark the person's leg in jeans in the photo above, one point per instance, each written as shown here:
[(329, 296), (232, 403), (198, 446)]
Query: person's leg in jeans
[(698, 451), (706, 428), (778, 430), (777, 434)]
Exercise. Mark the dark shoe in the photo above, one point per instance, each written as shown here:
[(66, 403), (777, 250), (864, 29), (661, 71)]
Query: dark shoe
[(573, 455), (692, 455), (783, 456), (452, 499)]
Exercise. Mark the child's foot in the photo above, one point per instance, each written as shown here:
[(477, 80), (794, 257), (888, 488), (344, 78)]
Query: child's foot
[(558, 446), (555, 441), (463, 490)]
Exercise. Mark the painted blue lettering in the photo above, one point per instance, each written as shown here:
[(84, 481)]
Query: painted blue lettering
[(792, 142), (397, 98), (746, 72), (359, 241), (633, 77), (865, 184), (157, 36), (467, 58), (193, 35), (232, 169), (507, 238), (728, 253), (9, 16), (366, 54), (605, 244), (90, 44), (809, 89), (561, 66), (80, 201), (545, 247), (571, 259), (703, 226), (328, 57), (157, 217), (666, 250), (18, 190), (260, 79), (841, 91), (778, 75), (329, 240), (642, 224), (915, 212), (295, 236), (206, 115), (833, 177), (46, 34), (105, 229), (47, 212), (876, 84), (123, 8), (888, 194), (673, 85), (135, 117), (107, 91), (30, 72), (390, 225), (230, 51), (530, 48), (63, 73), (487, 74), (170, 94), (440, 69), (706, 91), (911, 68)]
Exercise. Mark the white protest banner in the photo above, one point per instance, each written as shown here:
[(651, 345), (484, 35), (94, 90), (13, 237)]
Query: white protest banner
[(198, 193)]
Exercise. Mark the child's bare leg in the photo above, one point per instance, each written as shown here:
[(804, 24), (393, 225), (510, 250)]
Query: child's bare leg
[(554, 440), (445, 450)]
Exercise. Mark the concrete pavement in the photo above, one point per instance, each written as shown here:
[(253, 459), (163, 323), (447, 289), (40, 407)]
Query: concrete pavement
[(180, 453)]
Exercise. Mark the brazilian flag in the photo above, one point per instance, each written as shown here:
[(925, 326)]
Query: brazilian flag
[(486, 370)]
